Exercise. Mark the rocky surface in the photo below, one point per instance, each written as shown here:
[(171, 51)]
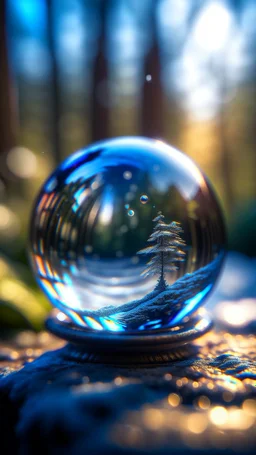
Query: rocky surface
[(53, 402)]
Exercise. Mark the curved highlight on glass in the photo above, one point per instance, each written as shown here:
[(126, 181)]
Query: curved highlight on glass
[(127, 235)]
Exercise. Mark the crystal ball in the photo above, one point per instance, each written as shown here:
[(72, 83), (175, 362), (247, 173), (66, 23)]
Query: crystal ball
[(127, 235)]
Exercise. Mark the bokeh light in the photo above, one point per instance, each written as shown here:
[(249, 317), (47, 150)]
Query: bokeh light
[(22, 162)]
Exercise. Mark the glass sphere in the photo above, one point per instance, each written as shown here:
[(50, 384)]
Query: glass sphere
[(127, 235)]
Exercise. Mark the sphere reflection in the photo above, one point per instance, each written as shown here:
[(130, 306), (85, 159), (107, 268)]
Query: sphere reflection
[(127, 235)]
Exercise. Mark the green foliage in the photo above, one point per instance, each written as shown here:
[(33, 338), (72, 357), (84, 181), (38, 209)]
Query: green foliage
[(20, 306)]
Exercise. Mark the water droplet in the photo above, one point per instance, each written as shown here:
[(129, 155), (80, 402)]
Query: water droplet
[(127, 175), (148, 78), (127, 206), (130, 212), (144, 199)]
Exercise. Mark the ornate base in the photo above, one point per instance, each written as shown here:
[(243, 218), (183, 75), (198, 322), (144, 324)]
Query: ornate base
[(147, 347)]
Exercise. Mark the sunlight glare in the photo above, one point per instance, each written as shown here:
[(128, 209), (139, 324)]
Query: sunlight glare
[(213, 27)]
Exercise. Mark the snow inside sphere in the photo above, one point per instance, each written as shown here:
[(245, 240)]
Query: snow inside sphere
[(127, 235)]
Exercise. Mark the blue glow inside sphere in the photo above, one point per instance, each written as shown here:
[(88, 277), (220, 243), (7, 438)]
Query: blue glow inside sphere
[(127, 235)]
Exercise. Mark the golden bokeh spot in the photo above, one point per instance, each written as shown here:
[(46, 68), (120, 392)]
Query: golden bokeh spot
[(204, 402), (174, 400)]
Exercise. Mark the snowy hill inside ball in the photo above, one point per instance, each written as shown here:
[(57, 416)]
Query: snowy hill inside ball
[(167, 304), (167, 307)]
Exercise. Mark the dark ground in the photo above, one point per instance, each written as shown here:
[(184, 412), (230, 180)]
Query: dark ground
[(57, 404)]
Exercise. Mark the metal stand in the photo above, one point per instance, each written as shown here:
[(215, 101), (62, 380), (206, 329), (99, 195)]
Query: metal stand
[(125, 348)]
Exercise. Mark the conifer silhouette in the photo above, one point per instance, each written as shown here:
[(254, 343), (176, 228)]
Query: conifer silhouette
[(167, 249)]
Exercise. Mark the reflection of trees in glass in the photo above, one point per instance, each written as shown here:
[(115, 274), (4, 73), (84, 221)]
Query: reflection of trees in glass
[(167, 249)]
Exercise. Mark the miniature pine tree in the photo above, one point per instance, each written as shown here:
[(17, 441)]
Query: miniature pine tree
[(167, 249)]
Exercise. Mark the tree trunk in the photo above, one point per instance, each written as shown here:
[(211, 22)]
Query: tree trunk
[(55, 90), (221, 128), (7, 117), (161, 284), (152, 112), (162, 271), (99, 110)]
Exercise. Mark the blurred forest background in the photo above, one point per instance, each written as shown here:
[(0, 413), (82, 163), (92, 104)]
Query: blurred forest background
[(76, 71)]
